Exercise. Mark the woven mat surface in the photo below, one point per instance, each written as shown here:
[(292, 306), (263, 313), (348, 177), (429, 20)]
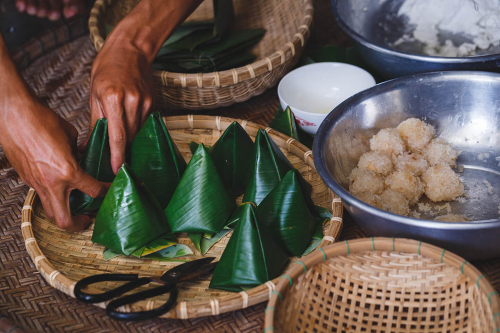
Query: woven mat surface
[(61, 78)]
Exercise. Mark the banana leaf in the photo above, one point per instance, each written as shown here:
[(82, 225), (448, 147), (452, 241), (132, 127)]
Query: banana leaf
[(155, 159), (223, 16), (232, 154), (171, 252), (203, 244), (96, 161), (284, 122), (200, 203), (235, 60), (156, 245), (326, 216), (289, 213), (268, 167), (251, 257), (194, 145), (166, 254), (233, 41), (130, 216)]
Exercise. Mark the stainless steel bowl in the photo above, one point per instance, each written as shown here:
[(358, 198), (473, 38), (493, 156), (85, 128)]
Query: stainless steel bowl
[(464, 107), (374, 25)]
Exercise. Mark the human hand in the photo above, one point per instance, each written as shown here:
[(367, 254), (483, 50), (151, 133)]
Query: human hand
[(51, 9), (121, 91), (41, 146)]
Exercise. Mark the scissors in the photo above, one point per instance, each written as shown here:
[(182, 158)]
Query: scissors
[(168, 283)]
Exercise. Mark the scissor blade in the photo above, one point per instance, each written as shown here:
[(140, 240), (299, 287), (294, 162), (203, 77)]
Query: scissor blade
[(179, 272)]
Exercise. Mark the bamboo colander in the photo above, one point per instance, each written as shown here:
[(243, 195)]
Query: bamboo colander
[(63, 258), (383, 285), (287, 23)]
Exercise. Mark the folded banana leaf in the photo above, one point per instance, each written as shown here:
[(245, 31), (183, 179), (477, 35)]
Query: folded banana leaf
[(166, 254), (289, 213), (155, 159), (223, 16), (130, 216), (171, 252), (96, 161), (251, 258), (203, 243), (325, 217), (268, 167), (284, 122), (200, 203), (156, 245), (232, 154)]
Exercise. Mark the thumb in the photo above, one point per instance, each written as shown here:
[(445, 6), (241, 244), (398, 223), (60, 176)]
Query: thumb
[(89, 185)]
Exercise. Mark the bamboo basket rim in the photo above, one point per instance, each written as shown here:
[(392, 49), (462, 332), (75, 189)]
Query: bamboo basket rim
[(374, 244), (249, 72), (197, 308)]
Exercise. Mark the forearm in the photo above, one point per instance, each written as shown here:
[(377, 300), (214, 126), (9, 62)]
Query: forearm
[(150, 23), (13, 91)]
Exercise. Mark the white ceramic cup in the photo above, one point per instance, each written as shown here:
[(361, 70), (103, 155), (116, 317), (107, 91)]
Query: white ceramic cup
[(313, 91)]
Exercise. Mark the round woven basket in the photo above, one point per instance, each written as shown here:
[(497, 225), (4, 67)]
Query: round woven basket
[(383, 285), (287, 23), (63, 258)]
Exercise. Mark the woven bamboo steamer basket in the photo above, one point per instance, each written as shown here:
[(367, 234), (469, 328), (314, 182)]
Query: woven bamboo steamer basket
[(383, 285), (63, 258), (287, 23)]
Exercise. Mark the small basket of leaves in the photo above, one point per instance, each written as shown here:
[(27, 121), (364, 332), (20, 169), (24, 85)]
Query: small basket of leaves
[(218, 56)]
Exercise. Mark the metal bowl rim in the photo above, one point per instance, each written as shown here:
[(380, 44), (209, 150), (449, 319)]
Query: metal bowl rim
[(412, 56), (327, 124)]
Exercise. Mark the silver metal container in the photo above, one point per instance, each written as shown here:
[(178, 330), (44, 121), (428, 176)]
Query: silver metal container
[(374, 25), (464, 107)]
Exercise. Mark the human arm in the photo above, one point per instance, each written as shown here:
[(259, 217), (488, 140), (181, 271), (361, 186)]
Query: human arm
[(41, 146), (121, 84)]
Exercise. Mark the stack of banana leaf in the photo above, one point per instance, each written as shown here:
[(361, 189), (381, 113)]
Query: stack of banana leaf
[(155, 195), (207, 46)]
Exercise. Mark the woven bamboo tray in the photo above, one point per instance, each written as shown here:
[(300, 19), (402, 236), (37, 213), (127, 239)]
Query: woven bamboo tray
[(383, 285), (287, 23), (63, 258)]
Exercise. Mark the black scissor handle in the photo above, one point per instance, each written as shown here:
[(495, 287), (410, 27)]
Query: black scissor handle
[(143, 315), (134, 279)]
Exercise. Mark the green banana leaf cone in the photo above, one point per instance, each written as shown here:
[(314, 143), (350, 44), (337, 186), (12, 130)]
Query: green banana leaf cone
[(251, 258), (200, 203), (289, 213), (284, 122), (232, 154), (96, 161), (155, 159), (268, 167), (130, 216)]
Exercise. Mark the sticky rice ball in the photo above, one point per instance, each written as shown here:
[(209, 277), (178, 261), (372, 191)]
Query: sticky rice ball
[(376, 161), (370, 198), (394, 202), (416, 134), (442, 184), (440, 151), (404, 182), (452, 218), (415, 163), (387, 141), (362, 180)]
